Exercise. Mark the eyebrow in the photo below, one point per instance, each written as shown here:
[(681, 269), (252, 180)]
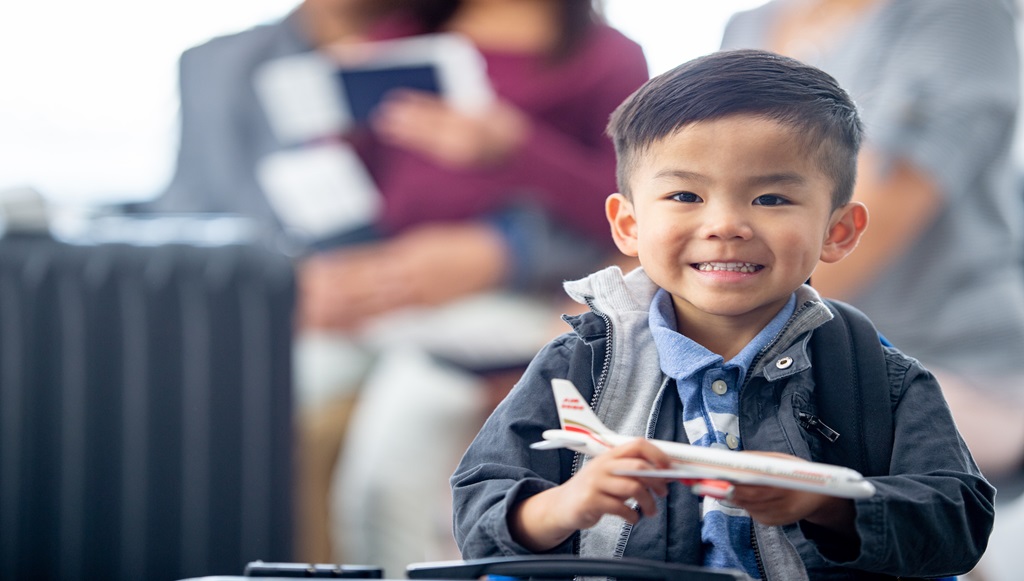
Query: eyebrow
[(681, 174), (790, 178)]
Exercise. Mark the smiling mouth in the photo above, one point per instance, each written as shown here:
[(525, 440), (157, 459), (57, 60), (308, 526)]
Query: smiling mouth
[(744, 267)]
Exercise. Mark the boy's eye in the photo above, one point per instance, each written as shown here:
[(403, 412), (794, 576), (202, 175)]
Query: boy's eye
[(770, 200), (688, 197)]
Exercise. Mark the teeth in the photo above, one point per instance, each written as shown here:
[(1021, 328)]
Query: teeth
[(745, 267)]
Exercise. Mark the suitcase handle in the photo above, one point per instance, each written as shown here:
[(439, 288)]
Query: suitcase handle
[(264, 569), (555, 566)]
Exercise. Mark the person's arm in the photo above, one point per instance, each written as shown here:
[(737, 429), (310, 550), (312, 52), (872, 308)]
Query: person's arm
[(520, 248), (223, 128), (937, 115), (189, 189), (427, 265), (902, 201), (499, 469)]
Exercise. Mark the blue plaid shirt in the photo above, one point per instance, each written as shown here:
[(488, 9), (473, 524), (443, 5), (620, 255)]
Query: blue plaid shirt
[(709, 388)]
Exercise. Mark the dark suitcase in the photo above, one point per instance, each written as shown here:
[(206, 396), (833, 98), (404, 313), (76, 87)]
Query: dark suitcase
[(145, 409)]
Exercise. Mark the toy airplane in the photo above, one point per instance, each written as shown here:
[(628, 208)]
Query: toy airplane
[(708, 471)]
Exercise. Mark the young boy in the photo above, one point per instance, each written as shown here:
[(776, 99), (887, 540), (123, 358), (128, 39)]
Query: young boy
[(736, 172)]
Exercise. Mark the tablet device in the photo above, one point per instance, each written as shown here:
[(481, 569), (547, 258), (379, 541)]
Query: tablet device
[(365, 89), (317, 94)]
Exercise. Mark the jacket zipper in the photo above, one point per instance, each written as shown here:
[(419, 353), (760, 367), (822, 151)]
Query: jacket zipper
[(746, 380), (598, 387), (607, 353), (757, 553), (812, 422)]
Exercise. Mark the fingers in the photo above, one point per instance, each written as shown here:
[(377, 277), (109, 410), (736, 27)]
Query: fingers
[(776, 506), (616, 496), (339, 290), (411, 119), (598, 489), (644, 449), (425, 124)]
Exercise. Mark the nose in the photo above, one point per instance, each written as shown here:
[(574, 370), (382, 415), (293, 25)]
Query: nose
[(726, 221)]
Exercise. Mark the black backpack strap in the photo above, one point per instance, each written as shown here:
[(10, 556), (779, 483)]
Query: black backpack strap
[(852, 389)]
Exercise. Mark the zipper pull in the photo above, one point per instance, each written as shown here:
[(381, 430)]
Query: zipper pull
[(809, 421)]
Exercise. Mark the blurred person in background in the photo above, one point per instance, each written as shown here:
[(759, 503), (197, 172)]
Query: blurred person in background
[(561, 64), (483, 216), (939, 269)]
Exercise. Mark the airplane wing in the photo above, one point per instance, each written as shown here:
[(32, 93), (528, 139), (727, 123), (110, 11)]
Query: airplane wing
[(699, 474), (671, 474), (696, 478), (555, 444), (692, 474), (698, 481), (576, 440)]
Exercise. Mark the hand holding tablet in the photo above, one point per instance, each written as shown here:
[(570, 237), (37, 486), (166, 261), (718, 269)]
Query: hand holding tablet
[(316, 94)]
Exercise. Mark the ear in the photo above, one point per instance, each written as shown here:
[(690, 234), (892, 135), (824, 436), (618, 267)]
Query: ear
[(846, 226), (622, 219)]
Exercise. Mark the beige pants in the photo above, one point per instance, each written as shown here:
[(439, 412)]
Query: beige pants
[(992, 423), (990, 420), (388, 357)]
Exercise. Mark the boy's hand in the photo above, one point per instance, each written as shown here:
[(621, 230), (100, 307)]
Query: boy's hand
[(543, 521), (781, 506)]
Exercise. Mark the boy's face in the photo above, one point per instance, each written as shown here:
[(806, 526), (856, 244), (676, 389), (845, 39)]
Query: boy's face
[(731, 216)]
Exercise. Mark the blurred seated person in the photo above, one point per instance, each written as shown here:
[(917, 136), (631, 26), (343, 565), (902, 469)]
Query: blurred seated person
[(409, 430), (939, 269), (482, 217)]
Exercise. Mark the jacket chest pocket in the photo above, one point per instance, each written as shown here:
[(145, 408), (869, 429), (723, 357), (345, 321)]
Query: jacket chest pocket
[(794, 411), (772, 420), (813, 431), (809, 435)]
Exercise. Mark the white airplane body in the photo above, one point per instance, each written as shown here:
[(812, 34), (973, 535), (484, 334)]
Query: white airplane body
[(709, 471)]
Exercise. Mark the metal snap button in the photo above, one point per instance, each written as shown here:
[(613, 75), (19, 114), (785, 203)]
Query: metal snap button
[(784, 363), (719, 387), (732, 441)]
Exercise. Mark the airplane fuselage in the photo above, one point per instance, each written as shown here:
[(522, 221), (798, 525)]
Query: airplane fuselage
[(696, 462)]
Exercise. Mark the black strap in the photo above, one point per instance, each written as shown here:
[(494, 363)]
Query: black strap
[(852, 390)]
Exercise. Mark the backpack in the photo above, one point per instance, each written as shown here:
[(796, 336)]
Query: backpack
[(853, 399)]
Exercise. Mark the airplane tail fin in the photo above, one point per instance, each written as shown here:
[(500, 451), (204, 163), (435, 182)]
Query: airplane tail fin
[(574, 413)]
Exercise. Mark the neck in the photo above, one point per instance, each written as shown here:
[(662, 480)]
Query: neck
[(328, 22), (509, 25), (726, 340), (724, 335), (807, 26)]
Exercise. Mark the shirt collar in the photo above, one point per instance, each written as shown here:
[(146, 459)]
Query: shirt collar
[(682, 357)]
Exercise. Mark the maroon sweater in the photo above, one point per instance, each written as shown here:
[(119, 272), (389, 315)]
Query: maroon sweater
[(566, 164)]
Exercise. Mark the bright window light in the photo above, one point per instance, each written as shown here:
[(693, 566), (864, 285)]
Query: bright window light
[(88, 90)]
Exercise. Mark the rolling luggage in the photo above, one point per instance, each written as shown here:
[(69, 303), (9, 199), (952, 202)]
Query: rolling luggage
[(145, 409)]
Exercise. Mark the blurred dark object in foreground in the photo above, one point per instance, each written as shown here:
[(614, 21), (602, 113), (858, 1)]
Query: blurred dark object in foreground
[(145, 407)]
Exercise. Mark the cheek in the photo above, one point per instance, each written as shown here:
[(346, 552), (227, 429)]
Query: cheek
[(661, 235), (809, 247)]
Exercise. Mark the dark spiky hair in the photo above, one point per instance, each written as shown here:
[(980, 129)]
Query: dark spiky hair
[(747, 82)]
